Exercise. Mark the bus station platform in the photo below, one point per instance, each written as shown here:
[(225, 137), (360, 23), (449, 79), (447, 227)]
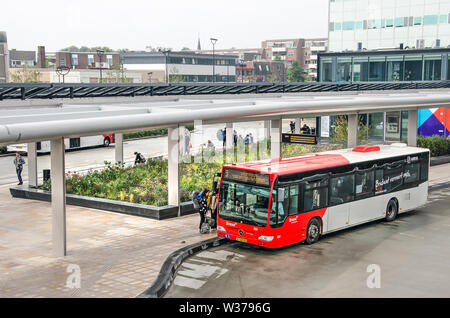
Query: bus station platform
[(117, 255)]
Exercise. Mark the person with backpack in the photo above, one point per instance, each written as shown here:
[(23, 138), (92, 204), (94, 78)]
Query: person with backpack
[(18, 163), (203, 202), (139, 158)]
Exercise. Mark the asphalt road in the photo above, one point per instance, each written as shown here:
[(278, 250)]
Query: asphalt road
[(412, 254)]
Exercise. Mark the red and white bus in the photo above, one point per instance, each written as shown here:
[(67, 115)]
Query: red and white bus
[(280, 202), (70, 143)]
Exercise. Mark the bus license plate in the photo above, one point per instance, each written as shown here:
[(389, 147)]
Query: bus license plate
[(240, 239)]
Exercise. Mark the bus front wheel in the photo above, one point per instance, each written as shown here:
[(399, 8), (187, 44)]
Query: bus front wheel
[(313, 232), (391, 210), (106, 142)]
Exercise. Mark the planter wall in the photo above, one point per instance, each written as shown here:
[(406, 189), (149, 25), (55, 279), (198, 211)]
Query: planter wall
[(151, 212)]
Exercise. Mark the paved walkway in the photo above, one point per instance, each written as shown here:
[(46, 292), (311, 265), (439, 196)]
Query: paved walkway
[(118, 255)]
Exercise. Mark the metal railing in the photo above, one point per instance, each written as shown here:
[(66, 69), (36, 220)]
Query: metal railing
[(25, 91)]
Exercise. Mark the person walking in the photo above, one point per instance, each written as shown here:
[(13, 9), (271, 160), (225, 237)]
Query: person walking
[(187, 141), (203, 206), (18, 163), (292, 125)]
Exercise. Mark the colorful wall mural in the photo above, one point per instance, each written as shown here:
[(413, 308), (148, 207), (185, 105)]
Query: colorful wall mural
[(434, 121)]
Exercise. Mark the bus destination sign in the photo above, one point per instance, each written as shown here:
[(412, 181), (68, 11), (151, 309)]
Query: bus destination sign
[(246, 177), (299, 139)]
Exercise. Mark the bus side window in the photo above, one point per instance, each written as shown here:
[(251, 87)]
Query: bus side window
[(424, 169), (273, 209), (411, 172), (364, 184), (293, 200), (315, 199), (342, 189)]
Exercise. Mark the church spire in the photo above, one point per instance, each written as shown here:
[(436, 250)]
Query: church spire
[(199, 46)]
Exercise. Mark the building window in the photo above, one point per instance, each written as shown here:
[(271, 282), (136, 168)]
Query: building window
[(348, 25), (399, 22), (430, 19), (418, 21), (90, 59), (443, 19), (338, 26), (389, 23), (62, 62), (75, 59)]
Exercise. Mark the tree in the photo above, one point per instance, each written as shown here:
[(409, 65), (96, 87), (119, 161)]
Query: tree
[(25, 75), (74, 48), (273, 78), (116, 75), (185, 49), (341, 131), (295, 73), (174, 77)]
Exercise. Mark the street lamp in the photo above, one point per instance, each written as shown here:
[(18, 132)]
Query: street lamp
[(213, 42), (62, 71), (166, 54), (100, 54)]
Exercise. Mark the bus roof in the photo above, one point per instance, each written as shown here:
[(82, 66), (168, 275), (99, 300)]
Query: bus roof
[(323, 160)]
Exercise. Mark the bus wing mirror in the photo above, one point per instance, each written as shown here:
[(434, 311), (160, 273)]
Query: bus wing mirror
[(280, 195)]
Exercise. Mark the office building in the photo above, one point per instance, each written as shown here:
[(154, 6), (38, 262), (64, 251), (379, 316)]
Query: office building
[(377, 24)]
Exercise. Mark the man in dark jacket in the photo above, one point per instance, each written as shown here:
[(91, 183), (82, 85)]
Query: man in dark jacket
[(18, 163), (203, 206), (139, 158)]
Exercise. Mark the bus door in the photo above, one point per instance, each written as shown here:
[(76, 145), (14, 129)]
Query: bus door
[(341, 194), (286, 213)]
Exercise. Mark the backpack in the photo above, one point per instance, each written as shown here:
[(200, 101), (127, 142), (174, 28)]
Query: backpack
[(195, 199), (142, 158)]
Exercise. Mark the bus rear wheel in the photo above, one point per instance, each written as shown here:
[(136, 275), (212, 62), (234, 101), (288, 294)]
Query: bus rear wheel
[(106, 142), (312, 232), (391, 210)]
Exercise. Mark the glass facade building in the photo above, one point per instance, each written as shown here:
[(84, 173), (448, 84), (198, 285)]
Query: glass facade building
[(374, 24), (385, 66)]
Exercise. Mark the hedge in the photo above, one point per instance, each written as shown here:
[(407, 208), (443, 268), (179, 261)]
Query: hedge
[(2, 149), (438, 146)]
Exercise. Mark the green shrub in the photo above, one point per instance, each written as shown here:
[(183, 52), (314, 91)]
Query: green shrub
[(2, 149), (438, 146)]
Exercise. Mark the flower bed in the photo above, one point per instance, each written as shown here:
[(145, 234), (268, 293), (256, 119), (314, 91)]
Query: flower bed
[(143, 184)]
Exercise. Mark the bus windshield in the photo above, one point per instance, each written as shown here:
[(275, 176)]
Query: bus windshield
[(244, 203)]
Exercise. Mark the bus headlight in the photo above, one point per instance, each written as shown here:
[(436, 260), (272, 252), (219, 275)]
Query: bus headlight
[(265, 238), (220, 228)]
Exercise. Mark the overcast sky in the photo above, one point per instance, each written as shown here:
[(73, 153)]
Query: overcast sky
[(135, 24)]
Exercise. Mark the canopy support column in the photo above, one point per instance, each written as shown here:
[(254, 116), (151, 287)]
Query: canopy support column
[(352, 138), (275, 140), (174, 172), (32, 165), (58, 179), (119, 148), (412, 128)]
